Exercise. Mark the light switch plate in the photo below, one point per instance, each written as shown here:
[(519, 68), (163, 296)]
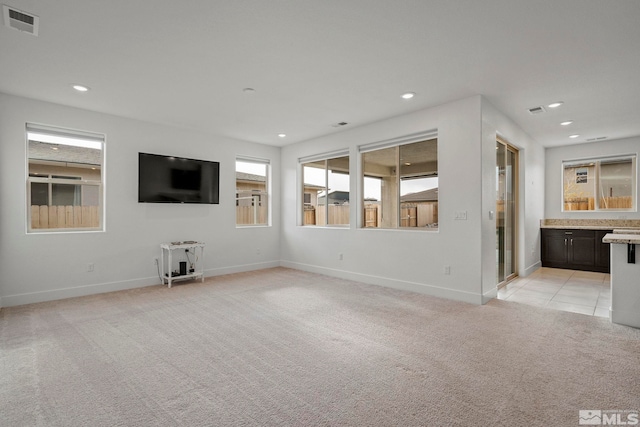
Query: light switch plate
[(461, 215)]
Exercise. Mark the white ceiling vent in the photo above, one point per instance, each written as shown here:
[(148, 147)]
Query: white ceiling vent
[(19, 20), (537, 110), (599, 138)]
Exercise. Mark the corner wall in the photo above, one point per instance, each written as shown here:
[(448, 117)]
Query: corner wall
[(405, 259), (531, 185), (41, 267), (415, 260)]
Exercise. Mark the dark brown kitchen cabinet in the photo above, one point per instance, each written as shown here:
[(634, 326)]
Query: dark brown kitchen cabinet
[(603, 257), (575, 249)]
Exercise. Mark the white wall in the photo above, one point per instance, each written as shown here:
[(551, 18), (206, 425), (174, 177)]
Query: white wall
[(404, 259), (415, 260), (39, 267), (553, 187)]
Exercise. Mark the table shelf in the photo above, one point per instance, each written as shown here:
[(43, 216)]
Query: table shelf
[(194, 266)]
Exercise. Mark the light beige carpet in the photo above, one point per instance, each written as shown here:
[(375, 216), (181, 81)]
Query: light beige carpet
[(281, 347)]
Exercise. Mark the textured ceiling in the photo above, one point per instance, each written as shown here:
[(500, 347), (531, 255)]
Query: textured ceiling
[(316, 63)]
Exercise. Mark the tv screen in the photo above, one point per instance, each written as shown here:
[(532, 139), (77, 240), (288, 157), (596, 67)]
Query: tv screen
[(169, 179)]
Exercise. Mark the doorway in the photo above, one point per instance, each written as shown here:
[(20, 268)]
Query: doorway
[(506, 212)]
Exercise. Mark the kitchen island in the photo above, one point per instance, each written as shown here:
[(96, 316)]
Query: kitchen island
[(625, 276)]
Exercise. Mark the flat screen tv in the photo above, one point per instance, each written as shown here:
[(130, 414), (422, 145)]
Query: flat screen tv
[(169, 179)]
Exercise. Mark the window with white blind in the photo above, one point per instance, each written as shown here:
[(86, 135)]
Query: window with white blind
[(65, 180)]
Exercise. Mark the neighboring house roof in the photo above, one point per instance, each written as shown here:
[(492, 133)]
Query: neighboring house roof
[(430, 195), (242, 176), (313, 187), (335, 196), (64, 153)]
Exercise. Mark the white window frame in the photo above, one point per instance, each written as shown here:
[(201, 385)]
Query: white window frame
[(391, 143), (596, 163), (326, 157), (267, 191), (64, 136)]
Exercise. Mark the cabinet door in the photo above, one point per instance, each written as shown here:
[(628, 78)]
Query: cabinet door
[(582, 249), (554, 247), (602, 251)]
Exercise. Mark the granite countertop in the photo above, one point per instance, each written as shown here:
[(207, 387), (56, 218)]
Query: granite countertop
[(622, 238), (578, 227), (626, 231), (592, 224)]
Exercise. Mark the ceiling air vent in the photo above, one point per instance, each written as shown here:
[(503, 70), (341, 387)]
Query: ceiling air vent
[(600, 138), (537, 110), (337, 125), (20, 20)]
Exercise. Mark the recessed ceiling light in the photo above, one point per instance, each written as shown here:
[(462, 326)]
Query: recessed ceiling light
[(567, 123), (282, 135), (80, 88), (573, 136), (555, 104), (408, 95)]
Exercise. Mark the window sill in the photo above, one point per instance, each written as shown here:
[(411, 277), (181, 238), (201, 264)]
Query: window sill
[(332, 227), (404, 230), (64, 231)]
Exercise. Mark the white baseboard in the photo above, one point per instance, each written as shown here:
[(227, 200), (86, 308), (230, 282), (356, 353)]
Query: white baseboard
[(78, 291), (241, 268), (100, 288), (527, 271), (421, 288), (489, 295)]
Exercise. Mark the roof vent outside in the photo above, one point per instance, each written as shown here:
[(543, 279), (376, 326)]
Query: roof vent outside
[(537, 110), (20, 20)]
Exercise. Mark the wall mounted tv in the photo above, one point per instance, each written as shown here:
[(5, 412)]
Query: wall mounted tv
[(169, 179)]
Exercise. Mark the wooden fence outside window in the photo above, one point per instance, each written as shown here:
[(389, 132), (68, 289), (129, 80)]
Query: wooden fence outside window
[(48, 217)]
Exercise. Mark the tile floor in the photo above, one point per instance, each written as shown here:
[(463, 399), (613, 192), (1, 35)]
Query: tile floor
[(582, 292)]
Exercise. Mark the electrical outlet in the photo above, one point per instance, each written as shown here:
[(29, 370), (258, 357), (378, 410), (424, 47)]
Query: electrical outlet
[(340, 257), (90, 267), (155, 261), (258, 251), (447, 270)]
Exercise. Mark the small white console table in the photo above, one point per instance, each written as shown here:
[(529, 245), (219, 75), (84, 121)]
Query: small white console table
[(195, 265)]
